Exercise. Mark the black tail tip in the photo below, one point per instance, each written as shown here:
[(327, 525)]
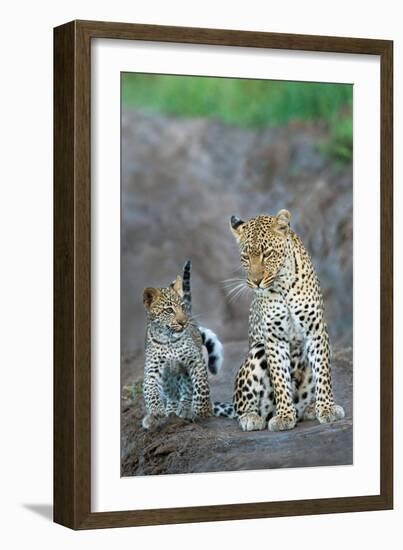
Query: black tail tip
[(212, 364), (212, 367), (187, 265)]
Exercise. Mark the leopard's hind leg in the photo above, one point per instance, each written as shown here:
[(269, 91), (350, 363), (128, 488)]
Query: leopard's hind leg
[(253, 394), (303, 386)]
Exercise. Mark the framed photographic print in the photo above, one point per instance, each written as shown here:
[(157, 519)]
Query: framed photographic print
[(222, 275)]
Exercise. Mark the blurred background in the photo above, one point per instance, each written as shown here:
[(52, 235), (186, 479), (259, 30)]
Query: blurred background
[(196, 150)]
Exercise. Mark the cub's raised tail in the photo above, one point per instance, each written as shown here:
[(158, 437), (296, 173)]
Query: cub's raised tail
[(187, 291), (211, 342)]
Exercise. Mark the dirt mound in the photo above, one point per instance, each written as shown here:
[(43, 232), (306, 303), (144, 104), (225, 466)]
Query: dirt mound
[(217, 444)]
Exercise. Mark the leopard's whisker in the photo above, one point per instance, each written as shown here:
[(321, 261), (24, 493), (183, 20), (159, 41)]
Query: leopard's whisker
[(234, 292), (240, 292), (236, 295), (232, 282), (234, 289), (233, 285)]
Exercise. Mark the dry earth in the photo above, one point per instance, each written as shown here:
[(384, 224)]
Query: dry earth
[(217, 444)]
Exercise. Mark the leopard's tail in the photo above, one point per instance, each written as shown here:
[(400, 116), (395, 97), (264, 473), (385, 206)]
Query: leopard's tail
[(187, 292), (211, 342), (214, 349), (226, 409)]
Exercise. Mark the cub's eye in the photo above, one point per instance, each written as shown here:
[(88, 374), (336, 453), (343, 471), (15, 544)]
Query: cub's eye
[(244, 258), (170, 310)]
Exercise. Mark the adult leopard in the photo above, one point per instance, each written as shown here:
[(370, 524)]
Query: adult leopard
[(286, 376)]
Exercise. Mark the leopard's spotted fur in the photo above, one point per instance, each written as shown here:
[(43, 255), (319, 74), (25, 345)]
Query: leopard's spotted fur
[(175, 369), (286, 376)]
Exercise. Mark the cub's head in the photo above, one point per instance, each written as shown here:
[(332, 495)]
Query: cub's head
[(262, 243), (164, 306)]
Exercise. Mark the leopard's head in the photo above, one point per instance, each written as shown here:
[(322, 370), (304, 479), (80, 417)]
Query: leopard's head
[(165, 306), (262, 243)]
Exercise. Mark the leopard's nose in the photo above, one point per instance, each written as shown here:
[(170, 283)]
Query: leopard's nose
[(257, 280)]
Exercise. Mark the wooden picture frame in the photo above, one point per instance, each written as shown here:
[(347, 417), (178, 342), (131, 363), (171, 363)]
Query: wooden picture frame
[(72, 274)]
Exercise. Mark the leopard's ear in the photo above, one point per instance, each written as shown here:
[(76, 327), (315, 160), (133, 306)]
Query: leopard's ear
[(283, 218), (178, 286), (149, 295), (237, 227)]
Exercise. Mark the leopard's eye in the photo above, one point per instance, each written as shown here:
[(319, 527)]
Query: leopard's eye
[(268, 254), (170, 310), (244, 258)]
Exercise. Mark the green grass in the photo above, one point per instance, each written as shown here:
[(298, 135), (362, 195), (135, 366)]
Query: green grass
[(137, 390), (244, 103), (339, 146), (248, 103)]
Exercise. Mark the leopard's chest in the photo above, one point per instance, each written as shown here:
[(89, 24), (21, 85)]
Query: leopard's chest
[(178, 352), (171, 353), (272, 315)]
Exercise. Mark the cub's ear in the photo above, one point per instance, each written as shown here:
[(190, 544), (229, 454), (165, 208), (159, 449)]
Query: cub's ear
[(149, 295), (177, 286), (237, 227), (283, 220)]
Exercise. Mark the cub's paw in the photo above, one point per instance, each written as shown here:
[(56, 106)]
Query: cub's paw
[(310, 412), (252, 421), (282, 422), (150, 420), (186, 413), (329, 414)]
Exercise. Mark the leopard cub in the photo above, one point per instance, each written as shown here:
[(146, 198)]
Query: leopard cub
[(178, 353)]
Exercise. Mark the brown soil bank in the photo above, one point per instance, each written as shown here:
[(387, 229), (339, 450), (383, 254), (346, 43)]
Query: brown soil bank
[(217, 444)]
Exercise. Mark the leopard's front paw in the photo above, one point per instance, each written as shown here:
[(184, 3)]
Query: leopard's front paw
[(252, 421), (329, 414), (282, 422)]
